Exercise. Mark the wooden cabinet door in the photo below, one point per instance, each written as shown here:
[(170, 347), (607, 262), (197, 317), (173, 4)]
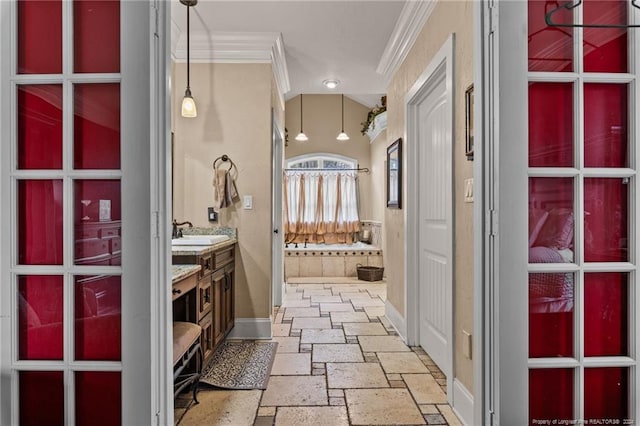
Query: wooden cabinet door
[(207, 338), (217, 283), (205, 297), (229, 299)]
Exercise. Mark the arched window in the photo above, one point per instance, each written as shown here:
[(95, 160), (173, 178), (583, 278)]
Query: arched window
[(321, 199), (321, 161)]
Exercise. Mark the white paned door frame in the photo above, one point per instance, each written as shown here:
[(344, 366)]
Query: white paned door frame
[(504, 268), (146, 381)]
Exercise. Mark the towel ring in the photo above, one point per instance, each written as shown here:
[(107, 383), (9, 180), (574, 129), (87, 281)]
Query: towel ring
[(224, 158)]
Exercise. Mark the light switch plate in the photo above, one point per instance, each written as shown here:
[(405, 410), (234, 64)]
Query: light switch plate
[(247, 202), (468, 190), (467, 343)]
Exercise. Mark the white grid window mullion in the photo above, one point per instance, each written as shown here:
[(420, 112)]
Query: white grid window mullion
[(634, 234), (578, 131), (69, 400), (578, 241), (551, 77), (68, 243), (553, 172), (578, 285), (67, 38), (69, 234), (579, 318), (578, 47)]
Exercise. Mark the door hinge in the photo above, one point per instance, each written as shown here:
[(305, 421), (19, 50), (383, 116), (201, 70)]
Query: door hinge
[(493, 223), (156, 18), (493, 17), (155, 224)]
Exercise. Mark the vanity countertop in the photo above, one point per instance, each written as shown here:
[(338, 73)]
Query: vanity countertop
[(180, 272), (200, 250)]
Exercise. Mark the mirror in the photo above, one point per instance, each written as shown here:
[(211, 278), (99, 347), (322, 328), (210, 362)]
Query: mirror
[(394, 175)]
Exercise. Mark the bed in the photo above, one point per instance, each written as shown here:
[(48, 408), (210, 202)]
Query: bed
[(550, 241)]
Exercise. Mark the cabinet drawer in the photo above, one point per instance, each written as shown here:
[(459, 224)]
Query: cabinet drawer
[(206, 262), (205, 297), (223, 257), (116, 245), (206, 341), (110, 232), (91, 251), (182, 287)]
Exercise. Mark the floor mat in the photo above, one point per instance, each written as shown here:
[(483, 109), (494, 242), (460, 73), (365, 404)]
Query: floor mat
[(240, 365)]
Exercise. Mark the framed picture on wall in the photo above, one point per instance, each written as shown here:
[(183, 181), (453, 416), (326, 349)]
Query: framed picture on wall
[(468, 100), (394, 175)]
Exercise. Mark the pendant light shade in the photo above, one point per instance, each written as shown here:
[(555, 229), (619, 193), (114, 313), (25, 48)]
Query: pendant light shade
[(301, 136), (188, 104), (342, 136)]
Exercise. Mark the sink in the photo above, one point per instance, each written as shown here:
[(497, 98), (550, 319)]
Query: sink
[(199, 240)]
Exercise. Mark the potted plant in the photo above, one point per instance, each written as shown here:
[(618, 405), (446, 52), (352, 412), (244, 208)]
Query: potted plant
[(369, 123)]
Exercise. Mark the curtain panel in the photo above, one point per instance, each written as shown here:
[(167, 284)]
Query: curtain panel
[(321, 207)]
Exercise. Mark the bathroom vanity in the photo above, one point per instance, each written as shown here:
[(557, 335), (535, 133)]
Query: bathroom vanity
[(211, 304)]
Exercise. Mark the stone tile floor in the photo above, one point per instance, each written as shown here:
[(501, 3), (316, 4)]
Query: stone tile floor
[(339, 362)]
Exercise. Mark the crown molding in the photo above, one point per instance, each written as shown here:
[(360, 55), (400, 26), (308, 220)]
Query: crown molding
[(280, 70), (409, 25), (226, 47), (234, 47)]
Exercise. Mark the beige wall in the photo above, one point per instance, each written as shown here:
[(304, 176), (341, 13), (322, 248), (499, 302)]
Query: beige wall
[(447, 17), (379, 176), (234, 104), (321, 123)]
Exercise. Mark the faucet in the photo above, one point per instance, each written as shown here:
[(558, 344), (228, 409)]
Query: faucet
[(305, 242), (177, 232)]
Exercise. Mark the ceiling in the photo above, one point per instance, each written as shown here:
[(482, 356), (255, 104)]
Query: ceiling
[(340, 40)]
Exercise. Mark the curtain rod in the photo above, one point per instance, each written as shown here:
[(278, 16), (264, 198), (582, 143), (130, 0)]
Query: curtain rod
[(359, 169)]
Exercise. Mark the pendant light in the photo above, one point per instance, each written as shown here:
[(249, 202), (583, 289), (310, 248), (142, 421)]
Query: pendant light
[(342, 136), (188, 104), (301, 136)]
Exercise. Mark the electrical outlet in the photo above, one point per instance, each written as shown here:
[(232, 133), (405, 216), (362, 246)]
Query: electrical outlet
[(212, 215)]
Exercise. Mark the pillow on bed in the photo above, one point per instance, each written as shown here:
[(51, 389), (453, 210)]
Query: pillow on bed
[(557, 231), (537, 218), (546, 284)]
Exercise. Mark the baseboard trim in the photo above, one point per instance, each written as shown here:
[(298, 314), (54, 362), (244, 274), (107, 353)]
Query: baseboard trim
[(251, 328), (462, 403), (398, 321)]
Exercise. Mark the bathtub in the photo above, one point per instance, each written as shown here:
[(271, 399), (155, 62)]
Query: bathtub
[(329, 260)]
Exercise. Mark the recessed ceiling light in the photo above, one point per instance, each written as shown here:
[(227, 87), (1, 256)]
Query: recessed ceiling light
[(331, 84)]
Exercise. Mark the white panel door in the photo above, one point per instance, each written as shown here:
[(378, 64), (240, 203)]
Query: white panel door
[(277, 256), (435, 227)]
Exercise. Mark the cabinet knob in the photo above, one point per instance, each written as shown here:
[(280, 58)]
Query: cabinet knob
[(176, 291)]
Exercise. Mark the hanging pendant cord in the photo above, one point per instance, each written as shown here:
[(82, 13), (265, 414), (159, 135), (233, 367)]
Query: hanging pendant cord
[(301, 113), (342, 114), (188, 44)]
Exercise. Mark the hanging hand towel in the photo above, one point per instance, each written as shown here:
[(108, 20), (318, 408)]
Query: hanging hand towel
[(219, 188), (231, 193)]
